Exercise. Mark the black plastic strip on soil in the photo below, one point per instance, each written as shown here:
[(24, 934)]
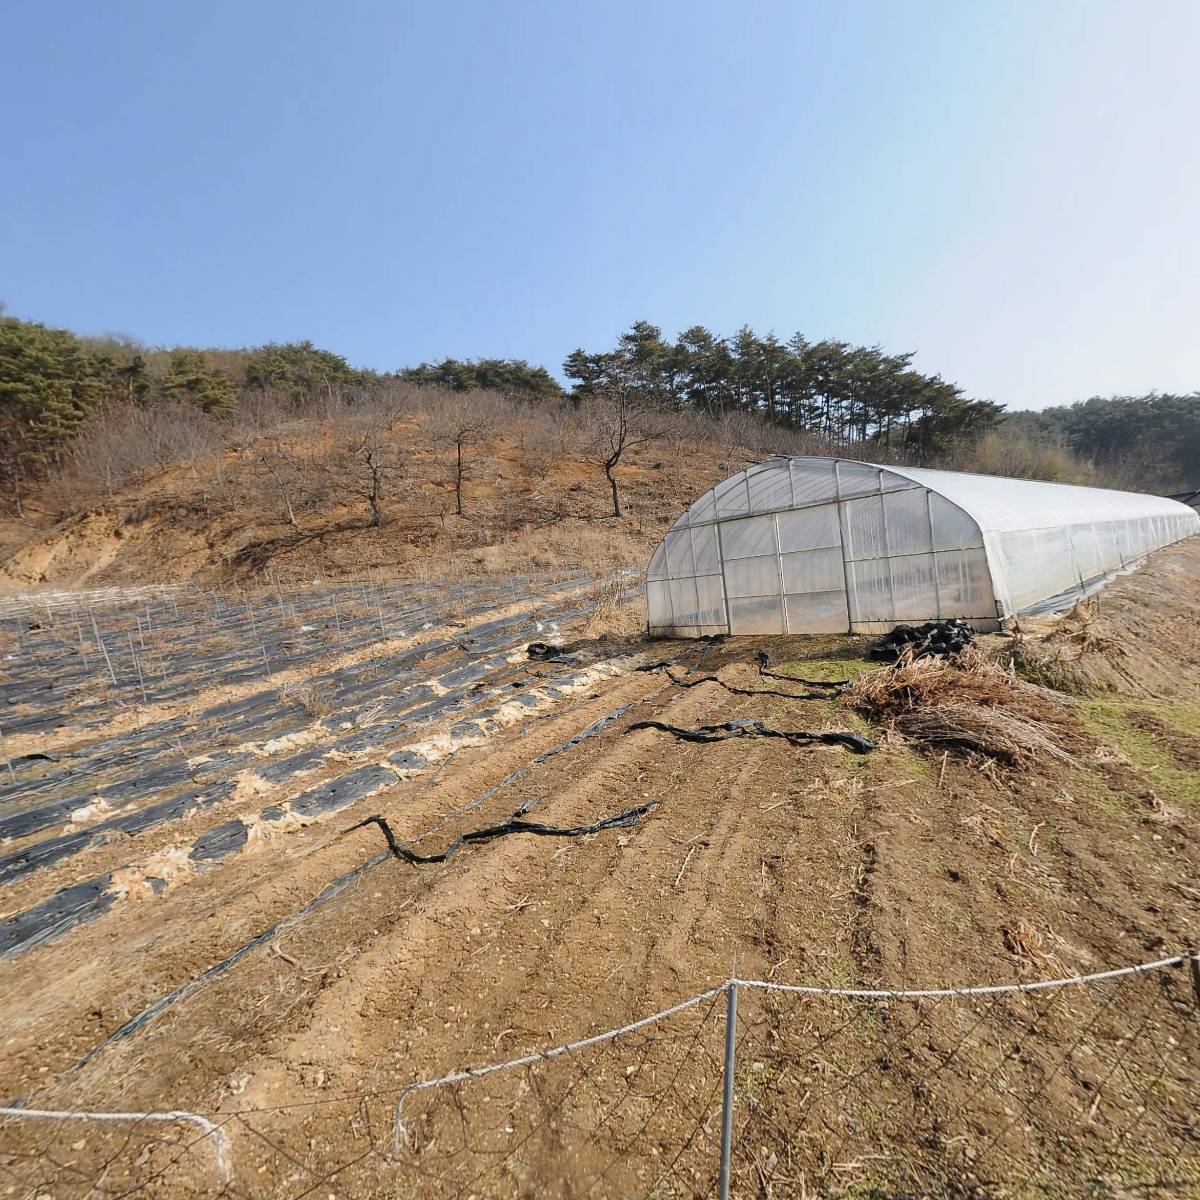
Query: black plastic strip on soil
[(334, 889), (54, 918), (127, 793), (749, 727)]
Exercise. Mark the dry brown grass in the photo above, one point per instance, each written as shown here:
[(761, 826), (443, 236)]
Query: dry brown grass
[(968, 704), (1029, 947), (316, 699), (1076, 654), (616, 609)]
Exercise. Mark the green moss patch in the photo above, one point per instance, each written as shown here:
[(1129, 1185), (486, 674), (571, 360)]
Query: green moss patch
[(1119, 723)]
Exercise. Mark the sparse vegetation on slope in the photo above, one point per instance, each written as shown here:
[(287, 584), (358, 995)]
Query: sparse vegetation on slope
[(409, 479), (308, 449)]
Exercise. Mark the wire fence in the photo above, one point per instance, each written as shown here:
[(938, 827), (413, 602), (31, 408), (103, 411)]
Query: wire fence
[(1084, 1086)]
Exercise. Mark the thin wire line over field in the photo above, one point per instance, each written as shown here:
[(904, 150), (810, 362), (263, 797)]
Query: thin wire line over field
[(985, 990), (401, 1133), (552, 1052), (946, 1082), (210, 1130)]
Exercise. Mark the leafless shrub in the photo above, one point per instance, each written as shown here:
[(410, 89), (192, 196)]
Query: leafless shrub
[(460, 420), (315, 698), (398, 400), (258, 414), (616, 610), (1000, 453), (761, 437), (122, 442), (289, 473), (550, 433)]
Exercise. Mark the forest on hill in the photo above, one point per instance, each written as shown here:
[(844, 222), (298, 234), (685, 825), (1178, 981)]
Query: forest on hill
[(61, 394)]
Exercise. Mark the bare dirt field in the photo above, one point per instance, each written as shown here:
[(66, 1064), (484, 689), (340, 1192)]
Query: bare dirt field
[(190, 922)]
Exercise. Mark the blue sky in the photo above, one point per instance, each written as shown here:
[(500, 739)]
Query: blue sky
[(1011, 189)]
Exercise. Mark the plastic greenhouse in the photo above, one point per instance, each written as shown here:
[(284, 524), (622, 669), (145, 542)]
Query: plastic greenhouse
[(825, 545)]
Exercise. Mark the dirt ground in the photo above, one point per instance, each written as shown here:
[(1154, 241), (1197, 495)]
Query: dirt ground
[(808, 865)]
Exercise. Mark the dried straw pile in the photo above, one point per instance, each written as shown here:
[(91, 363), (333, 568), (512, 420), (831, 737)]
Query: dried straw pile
[(968, 704)]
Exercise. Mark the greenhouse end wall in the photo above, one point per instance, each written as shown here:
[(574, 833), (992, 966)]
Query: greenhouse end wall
[(822, 545)]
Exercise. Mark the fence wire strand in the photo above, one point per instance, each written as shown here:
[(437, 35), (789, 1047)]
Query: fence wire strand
[(1083, 1084)]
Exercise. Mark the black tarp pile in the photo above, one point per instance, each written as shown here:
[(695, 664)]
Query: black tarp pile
[(937, 639), (547, 652)]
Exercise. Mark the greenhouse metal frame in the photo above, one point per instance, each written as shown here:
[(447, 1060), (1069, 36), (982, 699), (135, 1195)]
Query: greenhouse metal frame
[(834, 545)]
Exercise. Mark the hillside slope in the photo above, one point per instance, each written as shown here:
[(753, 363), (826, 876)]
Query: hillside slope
[(294, 505)]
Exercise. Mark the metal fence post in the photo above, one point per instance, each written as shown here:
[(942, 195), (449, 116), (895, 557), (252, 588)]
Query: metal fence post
[(727, 1100)]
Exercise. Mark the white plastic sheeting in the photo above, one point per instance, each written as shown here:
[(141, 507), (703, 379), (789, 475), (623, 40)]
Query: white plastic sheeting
[(823, 545)]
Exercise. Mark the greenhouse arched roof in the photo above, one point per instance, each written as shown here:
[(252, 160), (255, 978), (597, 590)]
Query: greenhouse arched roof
[(816, 545)]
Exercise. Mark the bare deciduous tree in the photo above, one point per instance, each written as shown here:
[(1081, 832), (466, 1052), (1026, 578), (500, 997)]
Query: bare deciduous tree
[(616, 422), (551, 436), (379, 466), (462, 422), (274, 460), (122, 441)]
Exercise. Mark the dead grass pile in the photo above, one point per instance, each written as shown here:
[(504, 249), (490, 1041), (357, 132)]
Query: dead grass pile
[(968, 704), (1049, 665), (1137, 637)]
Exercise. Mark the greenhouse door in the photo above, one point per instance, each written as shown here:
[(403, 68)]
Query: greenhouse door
[(891, 568), (811, 570), (868, 567)]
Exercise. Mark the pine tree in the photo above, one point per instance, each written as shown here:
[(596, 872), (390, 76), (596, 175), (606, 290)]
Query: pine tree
[(189, 377)]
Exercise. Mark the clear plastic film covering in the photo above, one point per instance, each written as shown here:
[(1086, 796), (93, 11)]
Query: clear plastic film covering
[(823, 545)]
